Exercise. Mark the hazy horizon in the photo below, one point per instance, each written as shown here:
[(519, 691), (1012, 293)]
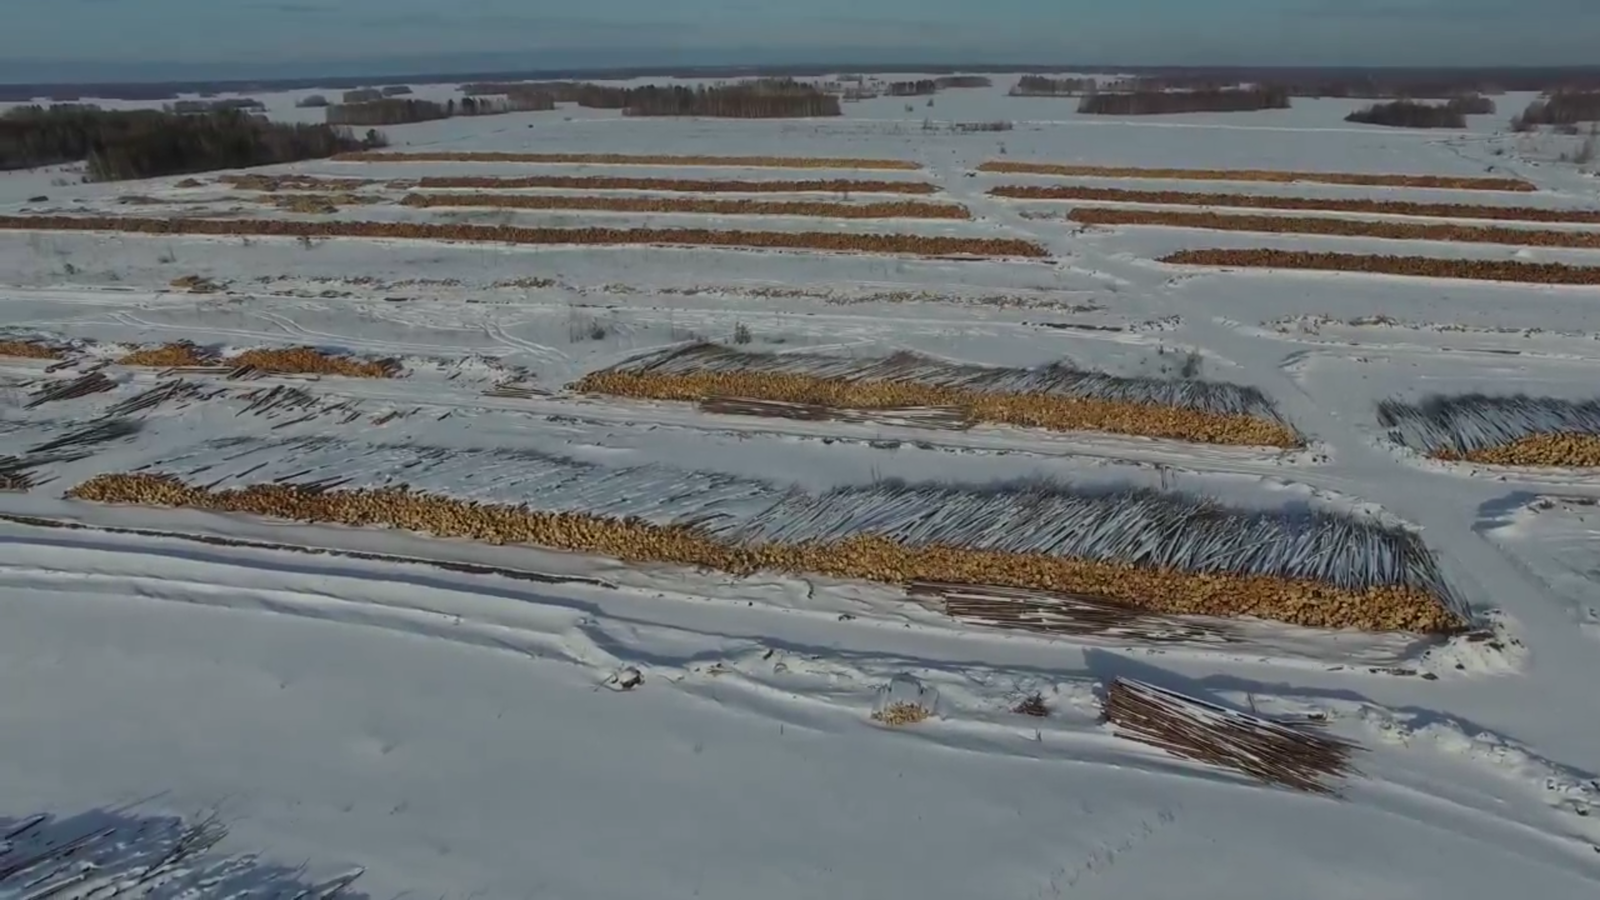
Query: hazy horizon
[(156, 40)]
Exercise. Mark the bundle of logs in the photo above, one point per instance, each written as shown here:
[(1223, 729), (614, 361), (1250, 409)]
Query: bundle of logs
[(1276, 753)]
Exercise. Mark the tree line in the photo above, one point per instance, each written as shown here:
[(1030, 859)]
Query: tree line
[(758, 99), (737, 102), (1045, 86), (1560, 108), (190, 107), (147, 143), (398, 111), (1143, 103), (752, 99), (916, 88), (1411, 114), (594, 96)]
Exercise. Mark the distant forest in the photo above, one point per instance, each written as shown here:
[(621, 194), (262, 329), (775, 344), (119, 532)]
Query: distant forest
[(118, 145), (1327, 81), (1411, 114), (912, 88), (761, 99), (1145, 103), (1560, 108), (399, 111), (594, 96), (1045, 86)]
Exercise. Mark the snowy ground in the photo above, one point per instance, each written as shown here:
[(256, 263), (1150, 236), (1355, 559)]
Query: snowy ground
[(434, 712)]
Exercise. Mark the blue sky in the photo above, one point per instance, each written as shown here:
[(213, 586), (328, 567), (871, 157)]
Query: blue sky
[(210, 38)]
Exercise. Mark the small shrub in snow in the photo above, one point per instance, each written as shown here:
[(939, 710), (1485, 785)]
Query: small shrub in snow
[(905, 701)]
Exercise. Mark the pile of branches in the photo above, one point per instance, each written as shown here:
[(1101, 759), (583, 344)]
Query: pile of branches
[(981, 127), (18, 473), (172, 390), (1449, 182), (92, 383), (943, 418), (1293, 756), (1412, 266), (1145, 103), (1475, 426), (1056, 613), (116, 853), (149, 143), (1411, 114)]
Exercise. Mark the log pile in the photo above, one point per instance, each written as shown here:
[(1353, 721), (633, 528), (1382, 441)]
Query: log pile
[(173, 390), (277, 361), (1326, 225), (1503, 430), (1323, 204), (1569, 451), (176, 355), (632, 159), (1054, 612), (898, 210), (944, 418), (311, 361), (273, 183), (1377, 264), (92, 383), (681, 185), (30, 350), (1272, 752), (825, 241), (1052, 412), (1387, 607), (321, 204), (1449, 182)]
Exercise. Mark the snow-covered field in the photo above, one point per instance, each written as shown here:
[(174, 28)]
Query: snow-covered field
[(457, 719)]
